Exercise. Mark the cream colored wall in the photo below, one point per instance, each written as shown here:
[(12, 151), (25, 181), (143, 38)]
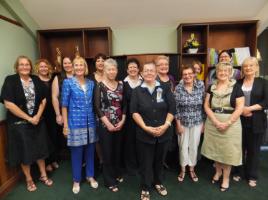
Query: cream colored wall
[(144, 40), (14, 41)]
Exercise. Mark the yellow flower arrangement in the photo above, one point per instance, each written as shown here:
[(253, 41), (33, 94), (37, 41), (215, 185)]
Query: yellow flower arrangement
[(191, 43)]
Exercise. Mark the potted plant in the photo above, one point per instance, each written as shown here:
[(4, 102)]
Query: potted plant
[(191, 45)]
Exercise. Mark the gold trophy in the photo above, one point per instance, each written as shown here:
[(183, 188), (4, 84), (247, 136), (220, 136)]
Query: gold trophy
[(58, 63), (77, 53)]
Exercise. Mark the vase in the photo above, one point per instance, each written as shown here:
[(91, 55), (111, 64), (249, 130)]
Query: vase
[(192, 50)]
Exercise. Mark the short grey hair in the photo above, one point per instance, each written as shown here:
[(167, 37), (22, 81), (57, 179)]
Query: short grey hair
[(110, 62)]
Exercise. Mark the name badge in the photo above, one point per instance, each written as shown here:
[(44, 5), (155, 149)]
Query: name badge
[(159, 95)]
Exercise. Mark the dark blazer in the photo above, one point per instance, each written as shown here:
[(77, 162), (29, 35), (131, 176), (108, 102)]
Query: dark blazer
[(153, 110), (12, 91), (259, 95)]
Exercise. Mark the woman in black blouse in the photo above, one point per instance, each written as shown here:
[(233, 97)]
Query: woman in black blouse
[(153, 108), (44, 71), (132, 80), (24, 97), (97, 77), (111, 112), (253, 118)]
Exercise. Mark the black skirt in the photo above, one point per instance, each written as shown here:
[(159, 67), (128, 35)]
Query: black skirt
[(27, 143)]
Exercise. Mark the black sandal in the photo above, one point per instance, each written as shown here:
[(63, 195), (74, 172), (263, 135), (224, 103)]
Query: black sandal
[(113, 188), (145, 195), (161, 190)]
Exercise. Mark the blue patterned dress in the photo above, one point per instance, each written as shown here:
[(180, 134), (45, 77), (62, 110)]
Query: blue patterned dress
[(81, 118)]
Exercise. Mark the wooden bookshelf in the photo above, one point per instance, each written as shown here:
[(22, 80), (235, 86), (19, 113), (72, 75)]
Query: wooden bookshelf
[(90, 42), (218, 35)]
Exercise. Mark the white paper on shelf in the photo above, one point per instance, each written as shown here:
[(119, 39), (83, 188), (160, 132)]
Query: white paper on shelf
[(241, 54)]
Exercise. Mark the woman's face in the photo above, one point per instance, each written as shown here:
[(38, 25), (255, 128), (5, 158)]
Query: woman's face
[(79, 68), (223, 74), (67, 65), (162, 66), (197, 69), (149, 73), (249, 68), (188, 76), (110, 71), (24, 67), (132, 69), (43, 69), (224, 57), (99, 64)]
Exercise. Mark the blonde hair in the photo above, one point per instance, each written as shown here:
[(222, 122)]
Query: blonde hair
[(16, 64), (225, 65), (78, 59), (37, 66), (255, 61), (161, 57)]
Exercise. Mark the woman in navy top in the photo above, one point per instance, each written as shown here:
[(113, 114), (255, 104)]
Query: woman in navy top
[(79, 122)]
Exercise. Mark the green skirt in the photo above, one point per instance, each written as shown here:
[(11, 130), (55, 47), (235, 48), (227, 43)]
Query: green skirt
[(223, 147)]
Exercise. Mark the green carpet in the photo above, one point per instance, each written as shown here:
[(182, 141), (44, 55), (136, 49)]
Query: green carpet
[(129, 189)]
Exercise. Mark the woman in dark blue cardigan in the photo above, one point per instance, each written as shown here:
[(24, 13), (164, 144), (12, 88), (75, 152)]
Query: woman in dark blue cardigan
[(253, 118)]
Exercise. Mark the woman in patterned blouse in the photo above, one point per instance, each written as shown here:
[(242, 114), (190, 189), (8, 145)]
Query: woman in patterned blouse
[(109, 108), (189, 97), (79, 122)]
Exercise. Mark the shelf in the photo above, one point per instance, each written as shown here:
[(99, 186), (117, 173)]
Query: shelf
[(193, 54), (218, 35), (90, 41)]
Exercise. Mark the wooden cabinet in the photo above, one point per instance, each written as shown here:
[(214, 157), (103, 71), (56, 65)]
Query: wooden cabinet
[(218, 35), (89, 41)]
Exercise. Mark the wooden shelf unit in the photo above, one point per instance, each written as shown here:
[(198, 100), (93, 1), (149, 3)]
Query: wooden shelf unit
[(218, 35), (90, 42)]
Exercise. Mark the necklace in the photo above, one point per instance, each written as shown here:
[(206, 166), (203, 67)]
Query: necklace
[(111, 85)]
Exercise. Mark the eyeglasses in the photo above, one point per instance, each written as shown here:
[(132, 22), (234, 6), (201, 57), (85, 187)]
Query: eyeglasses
[(24, 65), (188, 74)]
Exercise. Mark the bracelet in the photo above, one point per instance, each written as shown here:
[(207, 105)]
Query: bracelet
[(168, 122), (229, 122)]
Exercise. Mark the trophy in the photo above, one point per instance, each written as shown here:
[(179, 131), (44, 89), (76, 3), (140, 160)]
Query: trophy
[(77, 53), (58, 63)]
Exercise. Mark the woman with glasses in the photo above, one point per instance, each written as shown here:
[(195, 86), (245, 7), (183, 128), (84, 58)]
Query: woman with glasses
[(24, 96), (189, 96)]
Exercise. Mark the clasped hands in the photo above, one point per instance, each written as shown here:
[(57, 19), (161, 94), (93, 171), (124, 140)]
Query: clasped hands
[(116, 127), (34, 120), (156, 131), (221, 126)]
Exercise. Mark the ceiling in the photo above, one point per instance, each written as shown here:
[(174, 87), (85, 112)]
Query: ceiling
[(137, 13)]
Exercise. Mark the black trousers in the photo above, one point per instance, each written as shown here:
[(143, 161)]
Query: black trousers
[(110, 143), (151, 158), (251, 142), (130, 150)]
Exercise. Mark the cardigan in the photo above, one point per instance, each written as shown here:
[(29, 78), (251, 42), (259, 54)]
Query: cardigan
[(259, 95), (12, 90)]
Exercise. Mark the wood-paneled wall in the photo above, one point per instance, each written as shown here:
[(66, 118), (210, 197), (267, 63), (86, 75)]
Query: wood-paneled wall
[(8, 176)]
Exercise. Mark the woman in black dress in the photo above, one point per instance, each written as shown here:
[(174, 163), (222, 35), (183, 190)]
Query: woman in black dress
[(132, 80), (44, 71), (24, 97), (97, 77)]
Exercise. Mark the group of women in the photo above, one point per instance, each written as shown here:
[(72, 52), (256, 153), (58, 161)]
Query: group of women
[(134, 120)]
